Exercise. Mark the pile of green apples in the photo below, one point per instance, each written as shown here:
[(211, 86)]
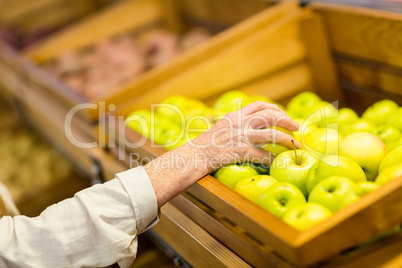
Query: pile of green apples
[(178, 119), (343, 157)]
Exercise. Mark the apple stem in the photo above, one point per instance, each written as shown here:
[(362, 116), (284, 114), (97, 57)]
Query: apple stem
[(294, 149)]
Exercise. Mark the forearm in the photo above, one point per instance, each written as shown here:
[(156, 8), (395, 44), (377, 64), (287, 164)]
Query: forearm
[(175, 171)]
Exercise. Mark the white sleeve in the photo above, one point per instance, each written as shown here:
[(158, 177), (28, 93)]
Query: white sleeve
[(95, 228)]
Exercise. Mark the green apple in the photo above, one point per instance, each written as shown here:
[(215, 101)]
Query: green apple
[(232, 101), (164, 131), (389, 174), (395, 144), (262, 170), (333, 193), (173, 107), (324, 115), (361, 125), (306, 215), (396, 119), (366, 149), (334, 165), (388, 134), (305, 127), (292, 167), (231, 174), (392, 158), (280, 198), (140, 121), (253, 187), (380, 112), (347, 116), (322, 142), (365, 187), (301, 104)]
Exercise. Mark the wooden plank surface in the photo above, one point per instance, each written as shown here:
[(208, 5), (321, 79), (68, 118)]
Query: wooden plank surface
[(216, 45), (374, 76), (260, 53), (320, 58), (261, 225), (363, 33), (231, 236), (200, 249), (279, 85), (129, 14), (227, 12)]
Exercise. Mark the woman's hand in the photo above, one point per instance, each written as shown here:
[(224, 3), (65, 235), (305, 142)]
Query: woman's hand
[(235, 138)]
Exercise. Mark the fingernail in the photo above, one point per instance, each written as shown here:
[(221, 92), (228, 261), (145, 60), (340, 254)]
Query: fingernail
[(296, 124)]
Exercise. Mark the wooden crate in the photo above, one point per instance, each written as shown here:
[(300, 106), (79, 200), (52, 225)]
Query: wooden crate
[(135, 16), (298, 51), (28, 16)]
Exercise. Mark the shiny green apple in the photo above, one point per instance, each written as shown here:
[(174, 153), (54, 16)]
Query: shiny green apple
[(253, 187), (292, 167), (392, 158), (366, 149), (380, 112), (301, 105), (347, 116), (365, 187), (396, 119), (280, 198), (231, 174), (322, 142), (232, 101), (333, 193), (304, 216), (388, 134), (334, 165), (389, 174), (361, 125)]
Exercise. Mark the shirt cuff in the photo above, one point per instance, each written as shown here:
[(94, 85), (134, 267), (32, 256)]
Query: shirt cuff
[(139, 187)]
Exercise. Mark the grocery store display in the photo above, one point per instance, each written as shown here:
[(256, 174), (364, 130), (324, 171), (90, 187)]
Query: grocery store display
[(95, 70), (330, 169)]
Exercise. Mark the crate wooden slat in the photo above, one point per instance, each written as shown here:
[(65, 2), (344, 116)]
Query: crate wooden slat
[(138, 16), (366, 44), (388, 80), (363, 33), (32, 15), (201, 249)]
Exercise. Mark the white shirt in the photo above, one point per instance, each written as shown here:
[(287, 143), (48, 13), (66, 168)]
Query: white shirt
[(95, 228)]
